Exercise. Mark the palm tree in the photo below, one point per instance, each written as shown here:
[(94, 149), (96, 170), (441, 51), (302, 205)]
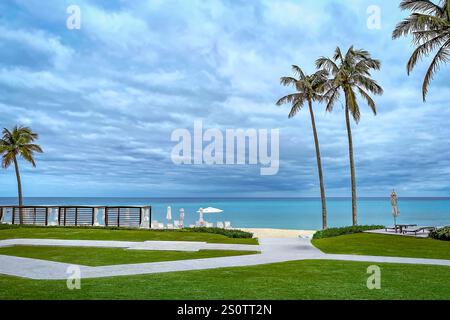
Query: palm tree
[(308, 89), (18, 142), (351, 75), (429, 24)]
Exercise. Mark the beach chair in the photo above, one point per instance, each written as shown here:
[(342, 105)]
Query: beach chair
[(227, 225), (394, 228), (170, 226), (220, 225), (419, 229), (200, 223)]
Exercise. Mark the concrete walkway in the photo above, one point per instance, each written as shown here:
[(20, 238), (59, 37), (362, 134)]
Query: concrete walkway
[(145, 245), (272, 250)]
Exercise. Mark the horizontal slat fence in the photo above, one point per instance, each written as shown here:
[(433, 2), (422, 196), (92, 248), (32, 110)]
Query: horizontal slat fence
[(31, 215), (123, 216), (113, 216)]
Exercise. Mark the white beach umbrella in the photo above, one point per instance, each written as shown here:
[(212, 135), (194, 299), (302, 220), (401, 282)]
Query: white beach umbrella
[(169, 213), (394, 203), (212, 210)]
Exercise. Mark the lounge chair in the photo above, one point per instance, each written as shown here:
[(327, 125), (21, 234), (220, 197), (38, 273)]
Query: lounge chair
[(419, 229), (170, 226), (227, 225), (394, 228), (220, 225), (200, 223)]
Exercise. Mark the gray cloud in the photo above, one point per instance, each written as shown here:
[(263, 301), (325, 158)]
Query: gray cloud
[(106, 98)]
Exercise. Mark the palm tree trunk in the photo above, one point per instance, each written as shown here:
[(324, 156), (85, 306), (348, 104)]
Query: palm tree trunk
[(352, 167), (319, 167), (19, 190)]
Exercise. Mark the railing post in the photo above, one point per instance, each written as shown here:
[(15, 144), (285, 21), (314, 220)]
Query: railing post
[(13, 218), (105, 212), (1, 215), (59, 215), (118, 217), (76, 217), (34, 215), (46, 216), (150, 217)]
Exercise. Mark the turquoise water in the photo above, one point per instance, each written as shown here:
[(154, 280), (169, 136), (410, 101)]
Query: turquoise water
[(304, 213)]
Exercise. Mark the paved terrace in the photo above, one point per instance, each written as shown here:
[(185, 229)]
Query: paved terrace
[(272, 250)]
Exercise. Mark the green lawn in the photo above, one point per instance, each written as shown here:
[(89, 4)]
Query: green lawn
[(385, 245), (79, 233), (108, 256), (288, 280)]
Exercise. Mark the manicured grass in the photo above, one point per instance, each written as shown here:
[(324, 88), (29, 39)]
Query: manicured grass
[(288, 280), (80, 233), (109, 256), (385, 245)]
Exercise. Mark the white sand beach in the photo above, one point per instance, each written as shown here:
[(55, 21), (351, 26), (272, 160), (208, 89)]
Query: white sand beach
[(278, 233)]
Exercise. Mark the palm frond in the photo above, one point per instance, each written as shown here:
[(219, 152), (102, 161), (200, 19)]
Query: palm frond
[(443, 55), (368, 99), (352, 104), (369, 84), (298, 71), (425, 49), (296, 107), (288, 81), (423, 6), (327, 65), (290, 98)]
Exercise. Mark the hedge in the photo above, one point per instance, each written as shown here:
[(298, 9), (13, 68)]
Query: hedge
[(230, 233), (334, 232), (441, 234)]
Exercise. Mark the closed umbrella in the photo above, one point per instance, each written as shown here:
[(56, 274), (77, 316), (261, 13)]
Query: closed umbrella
[(200, 216), (169, 213), (394, 203), (182, 216)]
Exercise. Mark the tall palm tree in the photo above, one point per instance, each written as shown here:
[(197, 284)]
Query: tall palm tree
[(350, 73), (429, 24), (15, 143), (308, 89)]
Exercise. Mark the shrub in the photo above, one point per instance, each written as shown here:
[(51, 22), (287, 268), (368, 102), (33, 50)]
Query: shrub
[(334, 232), (230, 233), (441, 234)]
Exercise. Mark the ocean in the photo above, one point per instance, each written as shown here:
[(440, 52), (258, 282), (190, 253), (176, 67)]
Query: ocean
[(289, 213)]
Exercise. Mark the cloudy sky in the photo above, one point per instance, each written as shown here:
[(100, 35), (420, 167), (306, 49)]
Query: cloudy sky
[(106, 98)]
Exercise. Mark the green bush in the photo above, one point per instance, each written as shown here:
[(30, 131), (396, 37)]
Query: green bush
[(334, 232), (230, 233), (441, 234)]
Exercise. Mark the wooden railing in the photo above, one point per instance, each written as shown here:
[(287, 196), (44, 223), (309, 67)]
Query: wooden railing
[(117, 216)]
